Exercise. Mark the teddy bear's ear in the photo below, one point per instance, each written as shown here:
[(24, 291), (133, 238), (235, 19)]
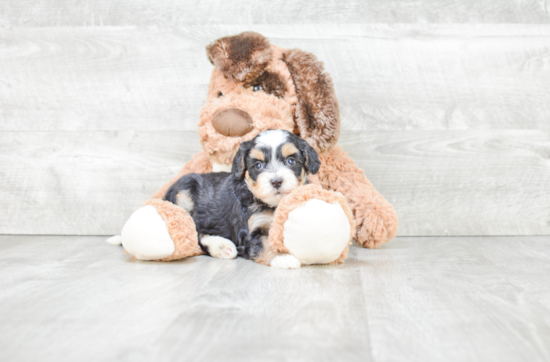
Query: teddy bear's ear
[(317, 114), (241, 57)]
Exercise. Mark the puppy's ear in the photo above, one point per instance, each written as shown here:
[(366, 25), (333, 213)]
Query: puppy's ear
[(311, 158), (242, 57), (317, 115), (239, 162)]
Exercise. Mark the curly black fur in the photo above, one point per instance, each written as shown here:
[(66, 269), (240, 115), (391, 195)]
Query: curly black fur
[(222, 206), (222, 203)]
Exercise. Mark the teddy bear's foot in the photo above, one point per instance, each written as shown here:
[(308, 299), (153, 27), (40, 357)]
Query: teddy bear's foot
[(375, 228), (312, 224), (160, 231), (145, 235), (285, 261), (219, 247)]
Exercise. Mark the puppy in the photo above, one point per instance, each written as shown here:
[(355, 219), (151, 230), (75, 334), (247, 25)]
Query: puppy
[(234, 211)]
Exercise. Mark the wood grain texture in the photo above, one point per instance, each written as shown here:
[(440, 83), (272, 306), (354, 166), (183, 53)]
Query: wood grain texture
[(415, 299), (492, 182), (450, 118), (387, 77), (176, 12), (101, 79), (85, 183), (440, 182)]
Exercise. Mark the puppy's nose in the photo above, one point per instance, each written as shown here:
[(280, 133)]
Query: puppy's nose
[(232, 122), (277, 182)]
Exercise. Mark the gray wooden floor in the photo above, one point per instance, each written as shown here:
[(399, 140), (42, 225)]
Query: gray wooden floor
[(65, 298)]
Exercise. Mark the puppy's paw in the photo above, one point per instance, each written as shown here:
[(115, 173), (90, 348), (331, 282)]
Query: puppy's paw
[(285, 261), (219, 247)]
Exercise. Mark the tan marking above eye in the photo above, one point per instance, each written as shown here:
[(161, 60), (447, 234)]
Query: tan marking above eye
[(302, 179), (288, 149), (250, 181), (257, 154)]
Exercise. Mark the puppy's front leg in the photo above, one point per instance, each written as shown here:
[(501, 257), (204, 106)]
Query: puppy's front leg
[(218, 247), (254, 245)]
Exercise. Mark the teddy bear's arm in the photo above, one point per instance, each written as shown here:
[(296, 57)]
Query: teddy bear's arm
[(376, 219), (161, 230), (198, 164)]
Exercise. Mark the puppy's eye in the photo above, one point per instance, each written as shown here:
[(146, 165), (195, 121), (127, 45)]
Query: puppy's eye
[(220, 94), (290, 161), (259, 166), (257, 88)]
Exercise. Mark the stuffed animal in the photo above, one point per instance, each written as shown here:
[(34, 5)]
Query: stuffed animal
[(257, 86)]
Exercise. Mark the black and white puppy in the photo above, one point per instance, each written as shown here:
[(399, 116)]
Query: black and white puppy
[(234, 211)]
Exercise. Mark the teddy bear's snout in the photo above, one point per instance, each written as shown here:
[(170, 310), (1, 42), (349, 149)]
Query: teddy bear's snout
[(232, 122)]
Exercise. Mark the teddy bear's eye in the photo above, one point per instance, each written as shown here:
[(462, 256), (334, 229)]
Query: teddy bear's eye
[(220, 94), (257, 88)]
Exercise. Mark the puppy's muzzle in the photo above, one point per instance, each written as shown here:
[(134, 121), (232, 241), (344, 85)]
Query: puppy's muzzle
[(232, 122)]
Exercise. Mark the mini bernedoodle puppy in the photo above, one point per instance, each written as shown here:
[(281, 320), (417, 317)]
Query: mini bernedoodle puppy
[(233, 211)]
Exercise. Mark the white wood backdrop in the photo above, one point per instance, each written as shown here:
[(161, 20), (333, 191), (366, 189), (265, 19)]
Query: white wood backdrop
[(445, 104)]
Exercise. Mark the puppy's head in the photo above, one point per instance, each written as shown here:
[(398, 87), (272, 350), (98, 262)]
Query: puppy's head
[(274, 163)]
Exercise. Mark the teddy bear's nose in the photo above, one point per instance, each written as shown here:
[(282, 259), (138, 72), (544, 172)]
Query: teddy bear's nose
[(232, 122)]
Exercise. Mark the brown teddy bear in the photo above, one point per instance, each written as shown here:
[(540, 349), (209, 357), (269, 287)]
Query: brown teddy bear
[(257, 86)]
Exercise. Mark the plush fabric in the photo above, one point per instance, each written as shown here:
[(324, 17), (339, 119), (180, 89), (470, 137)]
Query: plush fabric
[(146, 224), (181, 228), (375, 218), (241, 57), (317, 114), (257, 86), (265, 110), (297, 198)]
